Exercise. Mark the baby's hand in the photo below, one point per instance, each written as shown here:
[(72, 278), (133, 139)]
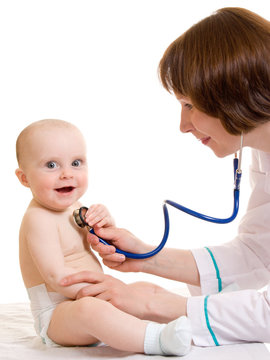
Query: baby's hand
[(98, 215)]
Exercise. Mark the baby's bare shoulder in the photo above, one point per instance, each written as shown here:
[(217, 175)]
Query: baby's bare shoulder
[(37, 217)]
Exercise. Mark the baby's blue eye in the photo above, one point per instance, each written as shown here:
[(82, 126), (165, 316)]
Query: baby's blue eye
[(51, 164), (76, 163)]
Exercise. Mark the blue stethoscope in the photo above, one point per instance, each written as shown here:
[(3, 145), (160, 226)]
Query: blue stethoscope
[(79, 214)]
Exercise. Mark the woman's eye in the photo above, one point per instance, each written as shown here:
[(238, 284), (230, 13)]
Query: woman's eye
[(51, 165), (76, 163), (188, 106)]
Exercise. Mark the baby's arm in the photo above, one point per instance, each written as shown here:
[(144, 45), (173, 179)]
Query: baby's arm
[(43, 243), (98, 215)]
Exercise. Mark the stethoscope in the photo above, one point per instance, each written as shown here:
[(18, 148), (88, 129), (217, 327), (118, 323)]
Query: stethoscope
[(79, 214)]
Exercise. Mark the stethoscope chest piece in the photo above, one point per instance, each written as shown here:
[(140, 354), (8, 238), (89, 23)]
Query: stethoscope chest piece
[(79, 216)]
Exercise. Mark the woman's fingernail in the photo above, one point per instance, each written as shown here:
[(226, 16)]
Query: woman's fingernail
[(63, 282)]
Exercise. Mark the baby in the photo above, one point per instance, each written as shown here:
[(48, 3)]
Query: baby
[(52, 162)]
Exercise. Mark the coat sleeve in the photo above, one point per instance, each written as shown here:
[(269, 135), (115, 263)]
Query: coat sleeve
[(243, 264), (230, 317)]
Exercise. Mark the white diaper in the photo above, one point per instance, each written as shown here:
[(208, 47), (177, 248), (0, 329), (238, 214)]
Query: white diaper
[(43, 304)]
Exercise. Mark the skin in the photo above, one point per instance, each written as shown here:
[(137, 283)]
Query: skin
[(49, 164), (207, 129), (173, 264), (53, 166)]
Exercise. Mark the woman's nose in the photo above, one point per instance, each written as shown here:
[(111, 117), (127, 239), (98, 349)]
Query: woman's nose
[(185, 123)]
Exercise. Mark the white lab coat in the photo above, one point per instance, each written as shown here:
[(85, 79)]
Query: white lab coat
[(240, 312)]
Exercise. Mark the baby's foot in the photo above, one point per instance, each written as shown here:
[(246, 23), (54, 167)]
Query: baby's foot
[(168, 339), (175, 337)]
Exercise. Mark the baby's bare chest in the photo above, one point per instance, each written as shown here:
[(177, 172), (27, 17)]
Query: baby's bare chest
[(76, 250), (72, 239)]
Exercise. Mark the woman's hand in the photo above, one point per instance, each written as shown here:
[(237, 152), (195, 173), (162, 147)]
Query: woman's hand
[(123, 240), (141, 299), (108, 288)]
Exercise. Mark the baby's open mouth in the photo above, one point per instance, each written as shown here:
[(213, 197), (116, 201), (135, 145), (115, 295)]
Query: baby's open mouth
[(65, 189)]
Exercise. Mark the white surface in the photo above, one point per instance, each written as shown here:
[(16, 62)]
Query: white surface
[(18, 341)]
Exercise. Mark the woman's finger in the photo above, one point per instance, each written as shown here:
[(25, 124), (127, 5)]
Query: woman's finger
[(83, 276), (115, 258), (93, 240), (92, 290), (103, 250)]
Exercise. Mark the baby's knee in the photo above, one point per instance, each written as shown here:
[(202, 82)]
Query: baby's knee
[(91, 306), (87, 304)]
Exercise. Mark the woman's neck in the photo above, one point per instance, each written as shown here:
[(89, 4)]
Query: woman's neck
[(259, 138)]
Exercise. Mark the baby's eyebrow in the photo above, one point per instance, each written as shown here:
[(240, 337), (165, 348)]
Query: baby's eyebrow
[(79, 157), (47, 159)]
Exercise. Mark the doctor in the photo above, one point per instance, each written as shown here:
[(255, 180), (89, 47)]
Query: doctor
[(219, 71)]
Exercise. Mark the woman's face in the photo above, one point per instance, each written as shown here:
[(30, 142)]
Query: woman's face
[(207, 129)]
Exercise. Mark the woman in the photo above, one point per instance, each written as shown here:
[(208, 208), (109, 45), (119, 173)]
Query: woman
[(219, 70)]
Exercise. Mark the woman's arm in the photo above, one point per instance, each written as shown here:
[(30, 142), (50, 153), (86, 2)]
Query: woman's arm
[(173, 264), (141, 299)]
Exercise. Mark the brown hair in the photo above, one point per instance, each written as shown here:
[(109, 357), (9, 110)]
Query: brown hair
[(222, 64)]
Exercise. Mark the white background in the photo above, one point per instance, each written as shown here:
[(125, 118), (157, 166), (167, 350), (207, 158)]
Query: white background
[(94, 63)]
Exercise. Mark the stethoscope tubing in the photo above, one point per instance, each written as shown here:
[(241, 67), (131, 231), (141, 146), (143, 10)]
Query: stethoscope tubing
[(211, 219), (150, 253), (167, 226), (236, 195)]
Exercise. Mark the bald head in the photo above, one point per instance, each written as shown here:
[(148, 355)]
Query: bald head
[(25, 139)]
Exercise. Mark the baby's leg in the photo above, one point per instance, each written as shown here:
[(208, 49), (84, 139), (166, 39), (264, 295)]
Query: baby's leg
[(84, 321)]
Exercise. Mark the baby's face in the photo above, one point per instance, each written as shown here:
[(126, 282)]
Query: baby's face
[(56, 167)]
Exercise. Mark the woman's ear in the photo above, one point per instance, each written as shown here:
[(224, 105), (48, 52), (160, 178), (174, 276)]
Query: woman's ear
[(22, 177)]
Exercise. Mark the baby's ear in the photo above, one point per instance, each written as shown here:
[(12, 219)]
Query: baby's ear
[(22, 177)]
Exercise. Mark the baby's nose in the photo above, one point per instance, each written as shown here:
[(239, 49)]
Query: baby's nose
[(66, 173)]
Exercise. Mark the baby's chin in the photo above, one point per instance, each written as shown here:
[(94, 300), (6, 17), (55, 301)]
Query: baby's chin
[(54, 206)]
